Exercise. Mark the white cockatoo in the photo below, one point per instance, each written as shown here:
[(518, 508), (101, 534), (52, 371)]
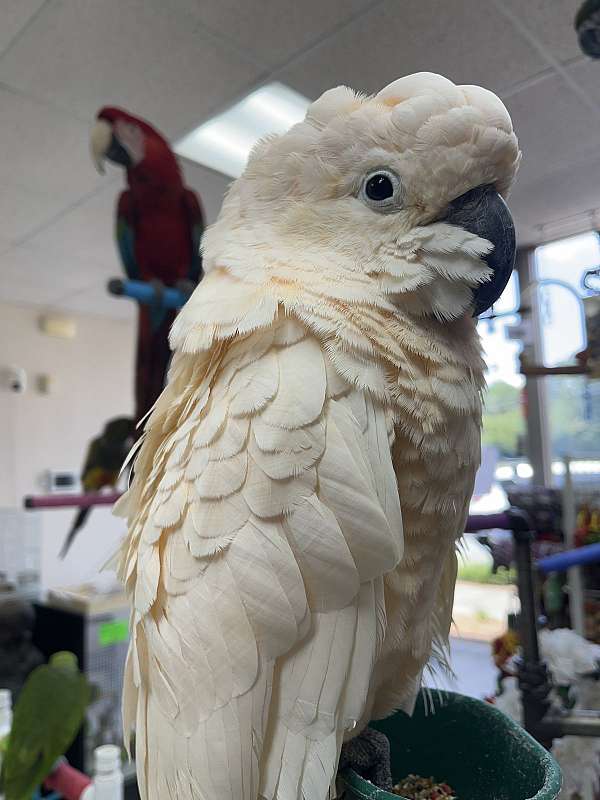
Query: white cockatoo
[(305, 474)]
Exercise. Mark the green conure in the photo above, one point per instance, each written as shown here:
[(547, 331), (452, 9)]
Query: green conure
[(47, 717), (103, 462)]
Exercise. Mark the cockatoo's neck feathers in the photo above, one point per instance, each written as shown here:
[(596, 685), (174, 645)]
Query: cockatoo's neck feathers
[(375, 315)]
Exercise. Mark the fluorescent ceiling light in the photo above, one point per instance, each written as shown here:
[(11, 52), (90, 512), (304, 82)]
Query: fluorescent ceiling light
[(224, 142)]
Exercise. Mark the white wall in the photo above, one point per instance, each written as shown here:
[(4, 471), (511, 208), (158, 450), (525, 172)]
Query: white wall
[(91, 381)]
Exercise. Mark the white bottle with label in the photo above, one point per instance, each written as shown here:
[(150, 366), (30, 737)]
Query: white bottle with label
[(108, 783), (5, 723)]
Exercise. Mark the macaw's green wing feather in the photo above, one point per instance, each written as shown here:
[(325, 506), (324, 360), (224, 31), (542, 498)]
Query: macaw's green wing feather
[(93, 459), (196, 219), (106, 454), (47, 717), (126, 236)]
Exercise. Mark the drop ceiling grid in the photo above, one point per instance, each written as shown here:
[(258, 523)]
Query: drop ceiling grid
[(181, 61)]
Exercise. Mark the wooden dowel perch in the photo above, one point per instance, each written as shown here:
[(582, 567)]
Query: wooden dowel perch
[(71, 500)]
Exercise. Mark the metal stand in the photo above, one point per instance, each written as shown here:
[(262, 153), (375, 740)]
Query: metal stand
[(534, 681)]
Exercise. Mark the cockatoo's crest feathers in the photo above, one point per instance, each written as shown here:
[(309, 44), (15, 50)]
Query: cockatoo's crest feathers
[(297, 220)]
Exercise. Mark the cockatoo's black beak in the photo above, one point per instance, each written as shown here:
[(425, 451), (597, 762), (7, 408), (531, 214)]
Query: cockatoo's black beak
[(482, 211)]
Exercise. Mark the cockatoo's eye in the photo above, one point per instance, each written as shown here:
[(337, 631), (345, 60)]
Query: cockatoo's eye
[(381, 190)]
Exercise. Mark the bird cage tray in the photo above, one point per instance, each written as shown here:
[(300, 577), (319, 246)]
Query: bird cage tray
[(468, 744)]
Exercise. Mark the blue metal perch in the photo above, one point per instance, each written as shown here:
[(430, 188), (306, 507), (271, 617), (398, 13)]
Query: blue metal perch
[(534, 681), (166, 297), (561, 562)]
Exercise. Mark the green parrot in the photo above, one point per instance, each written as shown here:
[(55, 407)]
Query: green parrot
[(105, 456), (46, 719)]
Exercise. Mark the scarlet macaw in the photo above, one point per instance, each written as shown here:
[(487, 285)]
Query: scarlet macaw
[(158, 230)]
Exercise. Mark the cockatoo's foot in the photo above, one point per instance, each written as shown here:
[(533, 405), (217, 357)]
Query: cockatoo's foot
[(369, 755)]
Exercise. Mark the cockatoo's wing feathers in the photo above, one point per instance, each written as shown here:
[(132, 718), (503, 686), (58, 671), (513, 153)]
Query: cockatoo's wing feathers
[(267, 518)]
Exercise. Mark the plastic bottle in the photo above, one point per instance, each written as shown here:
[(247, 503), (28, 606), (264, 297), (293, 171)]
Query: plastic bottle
[(108, 783), (5, 723), (5, 712)]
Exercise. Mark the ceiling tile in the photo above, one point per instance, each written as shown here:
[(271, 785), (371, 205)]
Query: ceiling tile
[(291, 25), (468, 42), (554, 127), (49, 151), (551, 22), (84, 236), (80, 56), (22, 210), (15, 15), (22, 293), (29, 265), (553, 200), (211, 186), (587, 75), (96, 300)]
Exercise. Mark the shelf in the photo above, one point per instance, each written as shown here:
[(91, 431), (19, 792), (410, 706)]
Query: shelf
[(538, 371)]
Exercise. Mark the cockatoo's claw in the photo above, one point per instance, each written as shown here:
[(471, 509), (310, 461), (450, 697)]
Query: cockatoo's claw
[(369, 756)]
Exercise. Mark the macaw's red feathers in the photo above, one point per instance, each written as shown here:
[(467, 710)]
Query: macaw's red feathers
[(159, 225), (159, 220)]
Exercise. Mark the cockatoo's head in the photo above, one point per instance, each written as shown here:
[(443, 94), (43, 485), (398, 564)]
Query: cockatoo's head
[(405, 187)]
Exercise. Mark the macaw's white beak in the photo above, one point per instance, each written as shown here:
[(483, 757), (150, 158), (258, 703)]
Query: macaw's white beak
[(100, 141)]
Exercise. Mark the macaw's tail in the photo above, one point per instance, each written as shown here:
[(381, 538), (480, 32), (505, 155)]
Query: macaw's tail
[(78, 523)]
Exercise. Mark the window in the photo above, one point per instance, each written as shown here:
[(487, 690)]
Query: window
[(573, 402), (503, 420)]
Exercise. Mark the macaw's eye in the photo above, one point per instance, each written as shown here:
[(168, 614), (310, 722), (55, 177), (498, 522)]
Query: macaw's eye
[(381, 190)]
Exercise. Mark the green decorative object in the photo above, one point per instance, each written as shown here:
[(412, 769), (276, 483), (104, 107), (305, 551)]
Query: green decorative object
[(467, 743), (113, 632), (46, 718)]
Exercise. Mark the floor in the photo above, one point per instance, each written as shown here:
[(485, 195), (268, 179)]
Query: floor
[(475, 671), (481, 610)]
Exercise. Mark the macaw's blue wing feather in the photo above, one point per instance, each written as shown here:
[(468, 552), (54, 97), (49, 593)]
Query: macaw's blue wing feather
[(125, 236)]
